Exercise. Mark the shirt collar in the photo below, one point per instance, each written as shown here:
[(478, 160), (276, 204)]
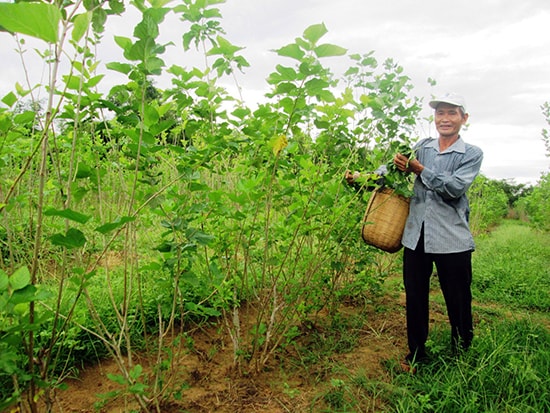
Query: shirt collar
[(458, 146)]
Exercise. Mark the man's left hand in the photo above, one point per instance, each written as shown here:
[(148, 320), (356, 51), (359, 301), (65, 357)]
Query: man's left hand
[(404, 164)]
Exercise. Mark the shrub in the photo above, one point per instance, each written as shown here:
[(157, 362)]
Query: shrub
[(537, 205), (488, 204)]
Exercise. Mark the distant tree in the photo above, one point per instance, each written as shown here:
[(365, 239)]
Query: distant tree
[(537, 204), (512, 190), (489, 204)]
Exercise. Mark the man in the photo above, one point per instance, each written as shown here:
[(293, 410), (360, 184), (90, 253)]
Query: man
[(437, 229)]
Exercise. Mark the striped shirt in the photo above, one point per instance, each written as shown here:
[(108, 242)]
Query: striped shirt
[(439, 202)]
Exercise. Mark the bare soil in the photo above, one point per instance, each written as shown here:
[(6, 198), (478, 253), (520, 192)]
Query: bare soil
[(205, 378)]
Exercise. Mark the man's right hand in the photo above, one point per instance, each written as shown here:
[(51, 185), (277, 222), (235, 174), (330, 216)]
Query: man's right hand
[(351, 177)]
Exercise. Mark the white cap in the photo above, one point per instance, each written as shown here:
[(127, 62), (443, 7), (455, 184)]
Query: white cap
[(451, 99)]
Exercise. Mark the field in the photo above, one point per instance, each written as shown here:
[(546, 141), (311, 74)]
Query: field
[(178, 249), (350, 362)]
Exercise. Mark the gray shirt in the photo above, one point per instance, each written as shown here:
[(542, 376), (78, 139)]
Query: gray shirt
[(439, 201)]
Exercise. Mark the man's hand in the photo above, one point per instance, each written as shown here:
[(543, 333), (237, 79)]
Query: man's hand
[(404, 164), (351, 177)]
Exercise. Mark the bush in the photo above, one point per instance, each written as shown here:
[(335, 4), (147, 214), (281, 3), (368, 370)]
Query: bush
[(536, 205), (488, 204)]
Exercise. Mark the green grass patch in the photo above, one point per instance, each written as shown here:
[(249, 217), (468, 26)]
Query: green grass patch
[(506, 370), (511, 267)]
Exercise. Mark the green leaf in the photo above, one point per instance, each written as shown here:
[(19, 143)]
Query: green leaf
[(241, 113), (6, 122), (287, 73), (157, 14), (117, 378), (159, 3), (83, 171), (199, 237), (224, 48), (98, 20), (136, 371), (39, 20), (68, 214), (23, 295), (161, 126), (154, 65), (10, 99), (199, 309), (287, 104), (328, 50), (292, 50), (81, 24), (212, 13), (78, 192), (24, 118), (315, 86), (147, 28), (110, 226), (20, 278), (326, 96), (4, 281), (20, 90), (165, 246), (137, 388), (150, 116), (74, 238), (117, 6), (124, 42), (73, 82), (94, 80), (119, 67), (140, 50), (9, 363), (285, 88), (315, 32)]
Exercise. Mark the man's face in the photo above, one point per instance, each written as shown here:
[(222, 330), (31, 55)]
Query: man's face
[(449, 119)]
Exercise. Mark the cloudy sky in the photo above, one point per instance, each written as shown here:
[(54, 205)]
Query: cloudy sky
[(494, 52)]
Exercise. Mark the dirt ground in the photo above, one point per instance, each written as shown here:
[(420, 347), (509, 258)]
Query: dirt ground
[(209, 383)]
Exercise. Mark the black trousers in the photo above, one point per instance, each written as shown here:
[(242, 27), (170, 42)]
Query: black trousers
[(455, 277)]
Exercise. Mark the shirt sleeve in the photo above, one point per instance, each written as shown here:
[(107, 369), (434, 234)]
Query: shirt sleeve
[(454, 185)]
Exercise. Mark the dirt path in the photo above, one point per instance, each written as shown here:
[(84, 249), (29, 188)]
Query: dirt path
[(204, 378)]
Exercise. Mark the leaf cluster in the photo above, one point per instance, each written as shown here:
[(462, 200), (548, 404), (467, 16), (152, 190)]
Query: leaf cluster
[(208, 203)]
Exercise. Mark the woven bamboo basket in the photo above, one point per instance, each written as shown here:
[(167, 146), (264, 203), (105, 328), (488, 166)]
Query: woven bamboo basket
[(384, 220)]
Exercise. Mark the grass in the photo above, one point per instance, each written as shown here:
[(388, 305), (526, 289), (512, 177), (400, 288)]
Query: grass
[(332, 363), (511, 267), (506, 370)]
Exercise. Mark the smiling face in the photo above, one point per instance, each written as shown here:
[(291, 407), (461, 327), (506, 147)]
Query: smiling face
[(449, 119)]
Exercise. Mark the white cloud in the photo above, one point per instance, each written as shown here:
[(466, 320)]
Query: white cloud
[(494, 52), (510, 151)]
